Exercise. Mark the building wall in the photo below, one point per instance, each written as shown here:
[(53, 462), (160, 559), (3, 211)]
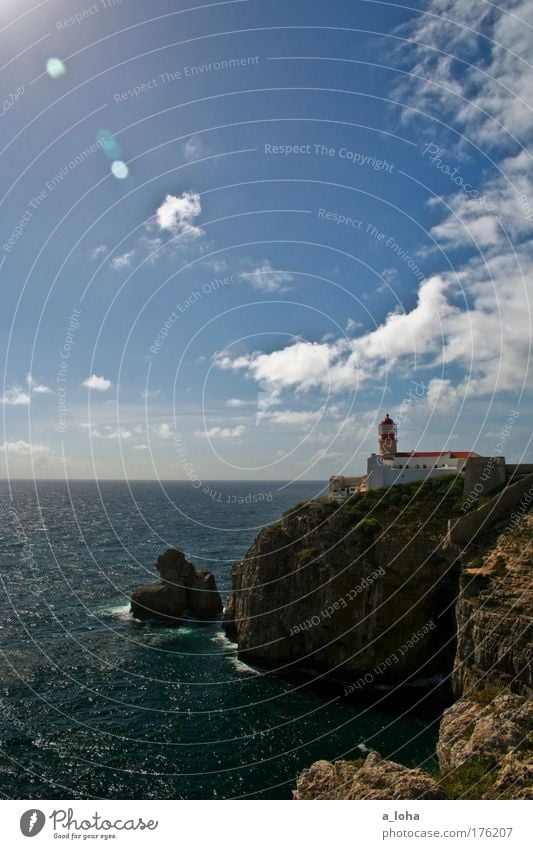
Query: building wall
[(483, 475), (381, 473), (511, 503), (341, 486)]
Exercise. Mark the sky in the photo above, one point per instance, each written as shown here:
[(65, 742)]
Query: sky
[(235, 234)]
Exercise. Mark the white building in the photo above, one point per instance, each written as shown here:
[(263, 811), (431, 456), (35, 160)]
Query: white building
[(391, 467)]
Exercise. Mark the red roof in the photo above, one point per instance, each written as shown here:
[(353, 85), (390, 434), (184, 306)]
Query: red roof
[(387, 420), (458, 455)]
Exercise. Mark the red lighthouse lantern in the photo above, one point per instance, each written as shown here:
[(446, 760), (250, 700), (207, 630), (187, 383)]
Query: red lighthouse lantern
[(387, 437)]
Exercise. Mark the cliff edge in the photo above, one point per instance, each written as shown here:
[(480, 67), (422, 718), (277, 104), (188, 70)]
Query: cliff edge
[(485, 747), (363, 591)]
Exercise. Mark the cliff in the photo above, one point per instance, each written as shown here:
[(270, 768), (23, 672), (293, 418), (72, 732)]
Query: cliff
[(484, 747), (363, 591), (494, 614)]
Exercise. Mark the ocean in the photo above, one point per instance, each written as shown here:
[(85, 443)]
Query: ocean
[(95, 704)]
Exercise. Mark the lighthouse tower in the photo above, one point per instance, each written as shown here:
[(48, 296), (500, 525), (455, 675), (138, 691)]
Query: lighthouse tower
[(388, 443)]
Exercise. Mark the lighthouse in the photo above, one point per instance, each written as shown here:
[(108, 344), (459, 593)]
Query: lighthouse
[(387, 433), (391, 467)]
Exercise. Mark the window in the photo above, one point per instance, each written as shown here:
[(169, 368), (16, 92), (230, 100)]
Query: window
[(417, 466), (424, 466)]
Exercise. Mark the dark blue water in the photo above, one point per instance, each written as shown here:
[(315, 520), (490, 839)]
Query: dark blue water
[(96, 704)]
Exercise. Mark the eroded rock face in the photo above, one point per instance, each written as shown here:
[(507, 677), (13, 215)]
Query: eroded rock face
[(376, 779), (498, 735), (181, 588), (333, 594), (494, 626), (484, 745)]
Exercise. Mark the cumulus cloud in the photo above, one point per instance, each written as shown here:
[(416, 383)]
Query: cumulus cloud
[(236, 402), (266, 278), (221, 432), (100, 384), (434, 332), (16, 397), (177, 214)]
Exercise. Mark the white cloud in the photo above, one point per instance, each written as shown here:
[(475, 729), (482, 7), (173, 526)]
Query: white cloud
[(266, 278), (25, 449), (95, 253), (16, 397), (122, 261), (236, 402), (351, 325), (489, 340), (164, 431), (443, 395), (193, 148), (217, 264), (141, 447), (221, 432), (491, 93), (150, 393), (178, 213), (120, 433), (38, 388), (151, 247), (294, 417), (98, 383), (107, 431)]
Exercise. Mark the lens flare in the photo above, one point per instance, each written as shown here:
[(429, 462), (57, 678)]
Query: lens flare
[(108, 144), (55, 68), (119, 170)]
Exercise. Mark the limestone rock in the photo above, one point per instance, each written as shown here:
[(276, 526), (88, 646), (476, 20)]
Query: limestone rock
[(494, 625), (329, 592), (181, 588), (376, 779), (497, 735)]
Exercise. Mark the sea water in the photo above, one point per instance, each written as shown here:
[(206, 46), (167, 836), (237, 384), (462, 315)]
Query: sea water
[(95, 704)]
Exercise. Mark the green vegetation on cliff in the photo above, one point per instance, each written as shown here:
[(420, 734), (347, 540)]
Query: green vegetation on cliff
[(403, 510)]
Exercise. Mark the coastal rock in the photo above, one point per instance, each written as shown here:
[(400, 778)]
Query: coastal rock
[(484, 746), (204, 599), (181, 588), (494, 626), (495, 736), (375, 779), (367, 600)]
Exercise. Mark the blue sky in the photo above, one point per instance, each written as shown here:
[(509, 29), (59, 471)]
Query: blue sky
[(326, 215)]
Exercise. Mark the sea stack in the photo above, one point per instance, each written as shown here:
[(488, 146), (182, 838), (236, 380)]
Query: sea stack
[(182, 588)]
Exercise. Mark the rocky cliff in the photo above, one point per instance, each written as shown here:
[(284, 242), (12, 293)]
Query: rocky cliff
[(485, 748), (494, 634), (363, 591)]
